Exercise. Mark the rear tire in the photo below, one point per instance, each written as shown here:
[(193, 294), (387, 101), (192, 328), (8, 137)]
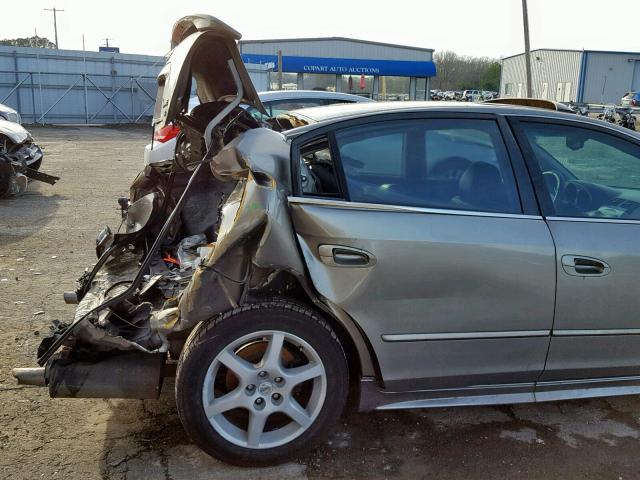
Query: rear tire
[(261, 383)]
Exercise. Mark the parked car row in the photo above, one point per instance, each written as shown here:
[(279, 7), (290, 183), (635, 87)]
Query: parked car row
[(622, 116), (463, 95)]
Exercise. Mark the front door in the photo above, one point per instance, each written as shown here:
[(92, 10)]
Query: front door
[(590, 191), (415, 228)]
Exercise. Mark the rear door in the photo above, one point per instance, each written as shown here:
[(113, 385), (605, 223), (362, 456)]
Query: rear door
[(416, 229), (589, 188)]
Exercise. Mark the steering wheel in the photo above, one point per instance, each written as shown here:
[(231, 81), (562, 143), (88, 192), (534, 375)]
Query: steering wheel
[(450, 168), (553, 189)]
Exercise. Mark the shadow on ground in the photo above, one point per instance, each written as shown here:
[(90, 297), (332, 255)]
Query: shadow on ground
[(25, 215), (596, 439)]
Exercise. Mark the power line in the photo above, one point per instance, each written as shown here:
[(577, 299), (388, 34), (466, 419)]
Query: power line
[(55, 21)]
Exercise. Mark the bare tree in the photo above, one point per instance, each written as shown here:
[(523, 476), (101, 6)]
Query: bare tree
[(460, 72)]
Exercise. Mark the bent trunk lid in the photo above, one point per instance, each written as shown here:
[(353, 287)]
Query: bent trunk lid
[(202, 46)]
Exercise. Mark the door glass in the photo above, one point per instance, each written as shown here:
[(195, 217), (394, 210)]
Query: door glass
[(394, 88), (358, 85), (289, 81), (283, 106), (453, 164), (421, 88), (587, 173), (319, 81), (318, 175)]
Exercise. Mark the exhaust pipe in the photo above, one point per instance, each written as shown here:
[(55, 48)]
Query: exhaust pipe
[(30, 376), (130, 375)]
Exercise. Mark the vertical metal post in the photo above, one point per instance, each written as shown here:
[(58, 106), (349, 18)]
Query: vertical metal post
[(279, 69), (84, 83), (17, 77), (133, 115), (527, 47), (40, 88), (113, 88), (33, 98)]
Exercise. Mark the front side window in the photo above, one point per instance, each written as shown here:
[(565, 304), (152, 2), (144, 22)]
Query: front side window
[(587, 173), (445, 163)]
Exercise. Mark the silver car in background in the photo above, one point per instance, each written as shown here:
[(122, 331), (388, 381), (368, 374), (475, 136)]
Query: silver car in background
[(163, 146)]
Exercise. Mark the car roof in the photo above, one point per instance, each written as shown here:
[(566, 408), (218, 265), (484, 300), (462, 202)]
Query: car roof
[(271, 96), (317, 116)]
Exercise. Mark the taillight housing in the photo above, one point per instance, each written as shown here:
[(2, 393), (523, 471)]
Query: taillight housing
[(166, 133), (634, 102)]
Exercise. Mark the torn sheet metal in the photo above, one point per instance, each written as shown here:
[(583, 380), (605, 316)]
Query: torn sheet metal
[(255, 240), (256, 235), (102, 331)]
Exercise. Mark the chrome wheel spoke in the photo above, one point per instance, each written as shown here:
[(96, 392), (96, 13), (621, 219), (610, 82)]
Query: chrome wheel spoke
[(240, 367), (225, 403), (263, 387), (298, 414), (296, 376), (271, 357), (257, 420)]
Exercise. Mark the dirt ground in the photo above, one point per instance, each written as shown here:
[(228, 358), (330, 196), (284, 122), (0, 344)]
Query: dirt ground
[(47, 239)]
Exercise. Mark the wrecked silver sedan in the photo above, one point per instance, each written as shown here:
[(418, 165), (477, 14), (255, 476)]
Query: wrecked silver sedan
[(424, 255)]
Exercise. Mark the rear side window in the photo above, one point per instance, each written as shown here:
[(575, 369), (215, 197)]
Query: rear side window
[(377, 147), (437, 163), (318, 171)]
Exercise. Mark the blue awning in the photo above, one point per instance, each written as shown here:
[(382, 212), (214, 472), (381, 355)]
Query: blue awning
[(345, 66)]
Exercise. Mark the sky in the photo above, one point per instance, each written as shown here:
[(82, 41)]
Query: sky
[(471, 27)]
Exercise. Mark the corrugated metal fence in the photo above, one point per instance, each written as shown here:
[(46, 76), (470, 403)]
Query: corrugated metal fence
[(71, 86)]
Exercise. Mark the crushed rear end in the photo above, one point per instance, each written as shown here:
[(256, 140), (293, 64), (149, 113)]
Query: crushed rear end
[(198, 237)]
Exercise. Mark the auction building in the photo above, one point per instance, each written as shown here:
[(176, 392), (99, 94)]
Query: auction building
[(376, 70), (588, 76)]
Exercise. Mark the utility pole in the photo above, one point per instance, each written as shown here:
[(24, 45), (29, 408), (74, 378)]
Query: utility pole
[(527, 47), (55, 21), (279, 69)]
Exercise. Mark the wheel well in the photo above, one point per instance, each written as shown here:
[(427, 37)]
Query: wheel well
[(285, 285)]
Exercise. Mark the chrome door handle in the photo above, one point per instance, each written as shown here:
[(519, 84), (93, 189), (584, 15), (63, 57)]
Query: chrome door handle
[(343, 256), (347, 257), (584, 266)]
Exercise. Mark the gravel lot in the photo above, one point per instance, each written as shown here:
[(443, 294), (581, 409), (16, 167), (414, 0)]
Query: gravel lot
[(47, 239)]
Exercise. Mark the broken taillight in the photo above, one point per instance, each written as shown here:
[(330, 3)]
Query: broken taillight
[(166, 133)]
